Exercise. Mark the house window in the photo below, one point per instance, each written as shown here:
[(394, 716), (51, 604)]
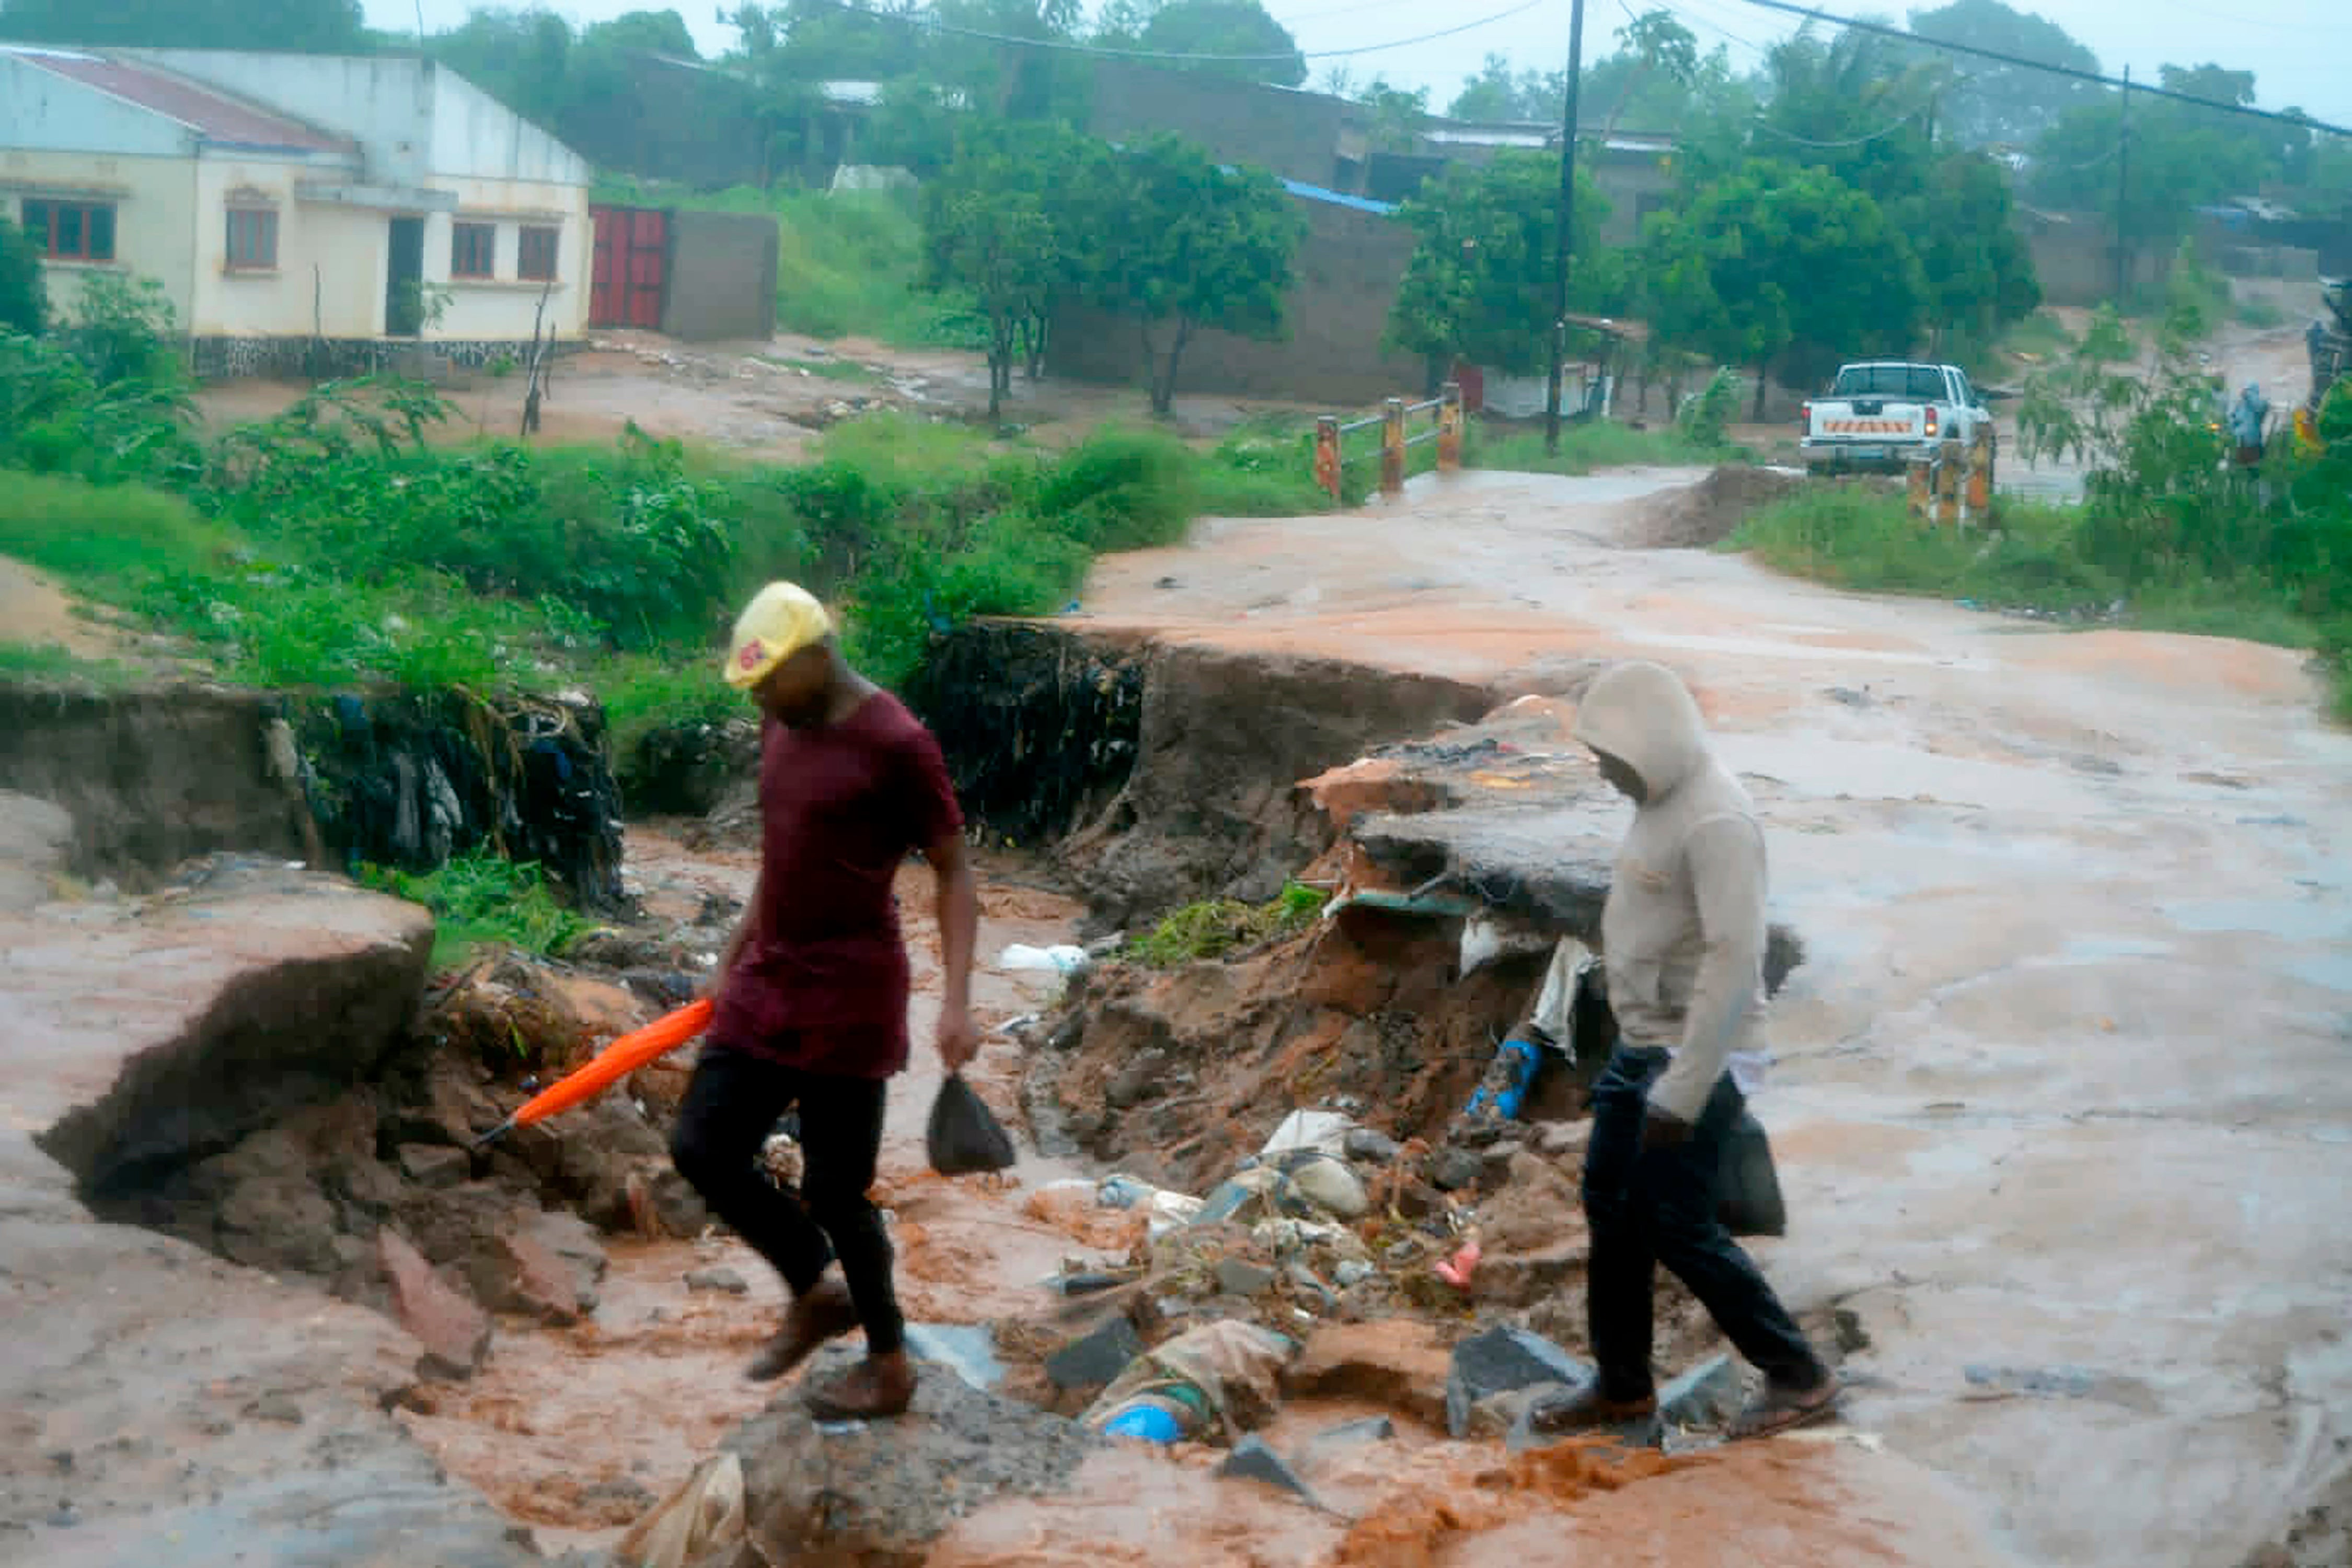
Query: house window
[(536, 260), (71, 231), (252, 239), (473, 250)]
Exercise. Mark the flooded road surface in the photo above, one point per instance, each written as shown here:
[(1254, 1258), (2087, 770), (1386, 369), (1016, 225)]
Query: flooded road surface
[(2062, 1099)]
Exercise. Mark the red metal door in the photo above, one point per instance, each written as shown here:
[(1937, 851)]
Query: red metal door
[(626, 285)]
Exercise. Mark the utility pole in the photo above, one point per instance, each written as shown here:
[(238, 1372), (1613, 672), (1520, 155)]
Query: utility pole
[(1567, 225), (2122, 195)]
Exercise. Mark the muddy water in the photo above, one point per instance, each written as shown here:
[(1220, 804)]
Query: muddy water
[(576, 1432), (2061, 1087)]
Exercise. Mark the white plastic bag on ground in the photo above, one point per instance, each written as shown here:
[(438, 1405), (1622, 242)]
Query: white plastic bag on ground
[(1555, 1011), (1063, 960), (1325, 1132)]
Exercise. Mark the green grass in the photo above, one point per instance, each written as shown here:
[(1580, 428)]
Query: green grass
[(2259, 312), (47, 661), (480, 899), (1601, 444), (114, 537), (1220, 926), (848, 267), (2039, 336)]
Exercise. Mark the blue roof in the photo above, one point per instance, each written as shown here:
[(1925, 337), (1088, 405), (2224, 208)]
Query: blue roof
[(1318, 193)]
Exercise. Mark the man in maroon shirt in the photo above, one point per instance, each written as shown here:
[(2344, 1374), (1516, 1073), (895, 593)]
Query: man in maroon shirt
[(812, 994)]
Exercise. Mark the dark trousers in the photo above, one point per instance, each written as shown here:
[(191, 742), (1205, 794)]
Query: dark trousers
[(731, 1106), (1649, 1205)]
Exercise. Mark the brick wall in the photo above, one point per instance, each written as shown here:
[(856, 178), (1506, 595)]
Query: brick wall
[(1294, 134), (1347, 271)]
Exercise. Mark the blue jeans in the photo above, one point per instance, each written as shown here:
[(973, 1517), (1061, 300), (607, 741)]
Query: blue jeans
[(1649, 1205)]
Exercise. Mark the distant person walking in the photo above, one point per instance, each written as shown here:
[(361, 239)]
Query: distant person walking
[(2248, 418), (1683, 938), (812, 994)]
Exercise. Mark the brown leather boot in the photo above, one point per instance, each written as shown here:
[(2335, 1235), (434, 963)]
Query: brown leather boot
[(1584, 1410), (876, 1387), (825, 1313)]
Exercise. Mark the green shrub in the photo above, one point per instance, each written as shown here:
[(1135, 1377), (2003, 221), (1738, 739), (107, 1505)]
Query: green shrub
[(1704, 421), (23, 296), (1220, 926), (480, 899), (110, 540)]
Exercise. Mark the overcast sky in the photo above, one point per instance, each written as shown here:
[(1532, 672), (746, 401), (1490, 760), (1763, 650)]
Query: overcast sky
[(2299, 50)]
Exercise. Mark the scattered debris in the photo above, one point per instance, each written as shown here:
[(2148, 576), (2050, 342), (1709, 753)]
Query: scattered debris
[(1253, 1460), (1499, 1361), (718, 1279)]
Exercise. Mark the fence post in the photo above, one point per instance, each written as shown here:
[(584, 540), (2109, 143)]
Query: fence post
[(1393, 447), (1449, 427), (1949, 457), (1326, 456), (1920, 472), (1978, 502)]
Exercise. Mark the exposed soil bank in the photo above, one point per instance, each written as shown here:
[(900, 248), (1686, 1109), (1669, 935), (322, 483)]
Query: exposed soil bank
[(1168, 774), (152, 777)]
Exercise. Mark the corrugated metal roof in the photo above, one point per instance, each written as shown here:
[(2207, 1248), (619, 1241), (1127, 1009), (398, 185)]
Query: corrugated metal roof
[(215, 116), (1318, 193)]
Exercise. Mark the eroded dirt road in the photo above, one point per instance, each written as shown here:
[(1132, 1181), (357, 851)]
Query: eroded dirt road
[(2061, 1095)]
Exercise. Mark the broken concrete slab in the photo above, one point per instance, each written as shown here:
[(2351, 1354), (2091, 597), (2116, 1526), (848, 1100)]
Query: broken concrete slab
[(318, 984), (117, 1333), (434, 1165), (1253, 1460), (1501, 1360), (1092, 1359), (1708, 1394), (717, 1278), (549, 1274), (879, 1493), (454, 1332)]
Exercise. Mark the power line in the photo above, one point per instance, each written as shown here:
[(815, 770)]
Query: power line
[(1066, 45), (2304, 122), (1832, 146)]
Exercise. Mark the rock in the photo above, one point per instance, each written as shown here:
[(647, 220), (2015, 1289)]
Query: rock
[(1706, 1395), (1494, 1417), (967, 1349), (548, 1272), (1313, 1293), (1144, 1077), (1396, 1361), (1093, 1359), (34, 837), (879, 1493), (725, 1279), (1253, 1460), (432, 1165), (1641, 1433), (1331, 1186), (1372, 1146), (1352, 1272), (279, 1407), (1564, 1140), (455, 1332), (1498, 1361), (1494, 1162), (1452, 1169), (1237, 1277)]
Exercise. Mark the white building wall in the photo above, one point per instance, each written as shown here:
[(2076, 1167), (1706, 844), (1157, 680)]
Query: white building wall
[(331, 259), (154, 203), (476, 136), (383, 104), (505, 305)]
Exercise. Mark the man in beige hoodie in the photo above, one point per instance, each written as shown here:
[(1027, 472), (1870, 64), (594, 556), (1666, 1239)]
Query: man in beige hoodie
[(1682, 939)]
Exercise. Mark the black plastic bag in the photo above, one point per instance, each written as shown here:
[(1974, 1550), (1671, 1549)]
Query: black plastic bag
[(1748, 1197), (965, 1137)]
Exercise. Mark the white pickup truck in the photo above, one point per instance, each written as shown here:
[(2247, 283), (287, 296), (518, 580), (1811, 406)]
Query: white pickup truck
[(1878, 413)]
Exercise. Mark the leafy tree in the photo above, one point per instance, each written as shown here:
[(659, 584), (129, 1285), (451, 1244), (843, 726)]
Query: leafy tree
[(1782, 266), (1013, 80), (1396, 115), (1979, 268), (1182, 243), (1227, 27), (1657, 45), (1498, 93), (24, 298), (307, 26), (1009, 220), (522, 58), (2001, 103), (2182, 157), (1479, 286), (644, 32)]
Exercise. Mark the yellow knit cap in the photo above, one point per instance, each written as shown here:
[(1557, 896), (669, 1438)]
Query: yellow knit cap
[(783, 619)]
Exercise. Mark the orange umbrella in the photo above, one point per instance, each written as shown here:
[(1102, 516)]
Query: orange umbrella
[(615, 1061)]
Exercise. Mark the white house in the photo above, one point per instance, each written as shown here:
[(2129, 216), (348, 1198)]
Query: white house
[(295, 205)]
